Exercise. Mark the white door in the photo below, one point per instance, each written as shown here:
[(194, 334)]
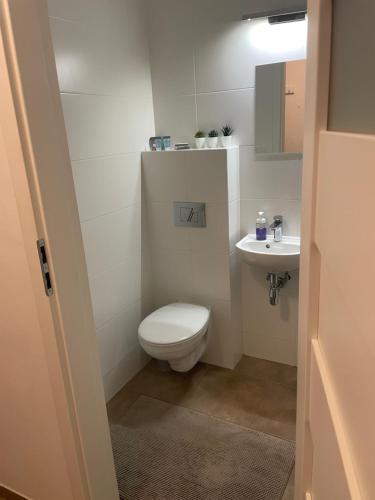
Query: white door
[(54, 438), (336, 399)]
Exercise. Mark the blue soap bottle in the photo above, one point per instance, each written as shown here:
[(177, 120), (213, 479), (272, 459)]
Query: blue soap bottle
[(261, 227)]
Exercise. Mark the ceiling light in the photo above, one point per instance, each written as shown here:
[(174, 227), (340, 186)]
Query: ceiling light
[(277, 17)]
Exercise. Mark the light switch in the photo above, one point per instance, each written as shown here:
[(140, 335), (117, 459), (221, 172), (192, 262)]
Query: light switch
[(189, 214)]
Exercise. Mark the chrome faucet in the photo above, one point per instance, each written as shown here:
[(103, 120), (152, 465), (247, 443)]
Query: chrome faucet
[(277, 227)]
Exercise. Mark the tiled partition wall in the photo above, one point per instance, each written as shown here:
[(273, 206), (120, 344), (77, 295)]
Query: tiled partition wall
[(198, 265), (104, 75), (203, 60)]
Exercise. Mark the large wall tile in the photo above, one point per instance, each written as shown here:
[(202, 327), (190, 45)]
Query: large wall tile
[(172, 48), (211, 276), (289, 209), (269, 179), (112, 239), (223, 58), (234, 223), (164, 176), (234, 107), (172, 276), (127, 331), (129, 366), (265, 325), (163, 232), (206, 176), (233, 162), (166, 236), (147, 289), (115, 289), (68, 9), (218, 344), (107, 184), (105, 125), (86, 64), (176, 116), (107, 337), (215, 235), (272, 349), (220, 349)]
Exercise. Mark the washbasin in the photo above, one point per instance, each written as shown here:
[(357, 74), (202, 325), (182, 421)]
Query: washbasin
[(273, 256)]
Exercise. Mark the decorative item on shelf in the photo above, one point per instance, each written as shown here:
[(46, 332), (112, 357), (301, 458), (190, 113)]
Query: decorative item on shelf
[(200, 139), (156, 143), (213, 138), (226, 139), (180, 146), (160, 143), (167, 145)]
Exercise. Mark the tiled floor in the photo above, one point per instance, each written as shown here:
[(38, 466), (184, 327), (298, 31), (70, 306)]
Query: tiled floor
[(257, 394)]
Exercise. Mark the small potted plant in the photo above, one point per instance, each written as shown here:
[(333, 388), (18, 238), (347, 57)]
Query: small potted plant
[(227, 132), (213, 138), (200, 139)]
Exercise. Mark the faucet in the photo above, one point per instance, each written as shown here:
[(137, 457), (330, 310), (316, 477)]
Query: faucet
[(277, 227)]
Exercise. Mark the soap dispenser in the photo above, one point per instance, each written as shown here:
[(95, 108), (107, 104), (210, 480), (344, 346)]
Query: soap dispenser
[(261, 227)]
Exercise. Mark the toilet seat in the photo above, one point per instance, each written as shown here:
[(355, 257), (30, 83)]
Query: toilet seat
[(174, 324)]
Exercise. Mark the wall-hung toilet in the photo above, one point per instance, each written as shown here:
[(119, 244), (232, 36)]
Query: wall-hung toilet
[(176, 333)]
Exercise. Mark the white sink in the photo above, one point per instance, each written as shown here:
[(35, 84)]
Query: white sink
[(270, 255)]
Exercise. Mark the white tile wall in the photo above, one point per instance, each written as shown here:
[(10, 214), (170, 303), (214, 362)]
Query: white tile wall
[(232, 106), (103, 65), (223, 45), (269, 332), (114, 289), (289, 209), (107, 184), (112, 238), (194, 264), (101, 125), (69, 9), (171, 48), (176, 116), (269, 179), (209, 82)]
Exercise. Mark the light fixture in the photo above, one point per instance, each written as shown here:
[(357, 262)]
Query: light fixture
[(277, 17)]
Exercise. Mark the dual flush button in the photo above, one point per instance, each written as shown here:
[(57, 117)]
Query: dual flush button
[(189, 214)]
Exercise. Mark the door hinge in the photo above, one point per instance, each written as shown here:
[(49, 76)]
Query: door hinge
[(45, 268)]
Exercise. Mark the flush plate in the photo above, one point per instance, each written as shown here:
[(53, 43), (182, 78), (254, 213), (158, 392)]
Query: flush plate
[(189, 214)]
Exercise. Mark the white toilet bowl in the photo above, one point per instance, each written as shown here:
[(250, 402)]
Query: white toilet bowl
[(176, 333)]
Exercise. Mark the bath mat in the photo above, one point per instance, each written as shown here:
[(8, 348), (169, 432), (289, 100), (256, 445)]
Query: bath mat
[(166, 452)]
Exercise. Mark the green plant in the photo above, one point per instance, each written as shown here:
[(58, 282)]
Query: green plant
[(227, 130), (213, 133), (200, 135)]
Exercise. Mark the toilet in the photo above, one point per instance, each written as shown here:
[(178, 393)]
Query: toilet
[(176, 333)]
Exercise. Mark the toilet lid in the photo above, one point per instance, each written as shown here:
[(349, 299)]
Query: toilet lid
[(174, 323)]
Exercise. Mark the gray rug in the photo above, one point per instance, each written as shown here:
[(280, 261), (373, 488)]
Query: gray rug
[(165, 452)]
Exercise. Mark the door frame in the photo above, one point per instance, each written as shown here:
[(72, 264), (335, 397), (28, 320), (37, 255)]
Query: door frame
[(34, 137), (316, 117)]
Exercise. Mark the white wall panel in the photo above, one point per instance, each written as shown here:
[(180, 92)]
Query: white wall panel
[(101, 51)]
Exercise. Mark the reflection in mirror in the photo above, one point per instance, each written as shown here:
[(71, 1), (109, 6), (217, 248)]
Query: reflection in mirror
[(279, 108)]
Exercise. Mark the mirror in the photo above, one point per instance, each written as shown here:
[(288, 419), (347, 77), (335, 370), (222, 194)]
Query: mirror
[(279, 109)]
